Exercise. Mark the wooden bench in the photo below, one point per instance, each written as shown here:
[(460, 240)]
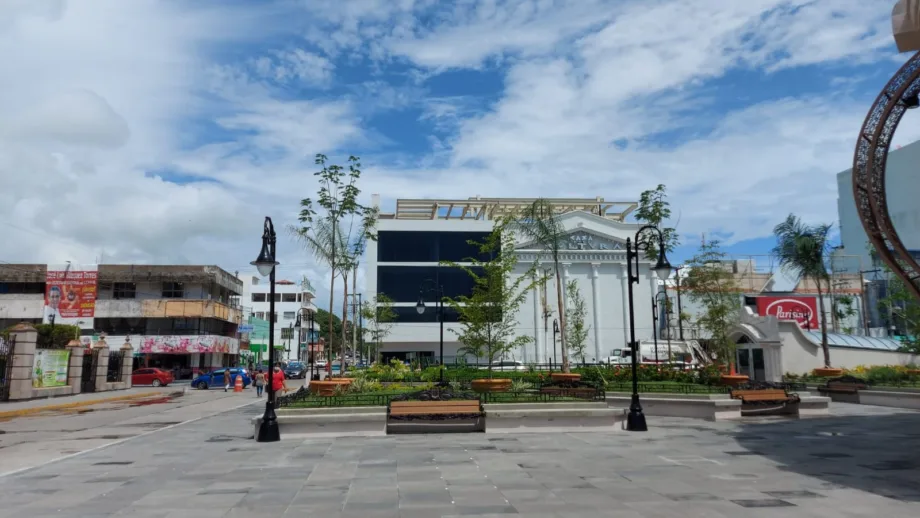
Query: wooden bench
[(843, 385), (760, 400), (435, 416)]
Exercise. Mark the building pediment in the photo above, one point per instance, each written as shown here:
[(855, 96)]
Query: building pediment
[(581, 239)]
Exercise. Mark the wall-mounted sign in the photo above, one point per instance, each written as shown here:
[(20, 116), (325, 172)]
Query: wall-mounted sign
[(803, 310), (70, 294), (49, 368)]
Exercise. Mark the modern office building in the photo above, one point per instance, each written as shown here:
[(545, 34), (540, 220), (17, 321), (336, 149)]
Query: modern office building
[(903, 191), (404, 262), (291, 300), (174, 316)]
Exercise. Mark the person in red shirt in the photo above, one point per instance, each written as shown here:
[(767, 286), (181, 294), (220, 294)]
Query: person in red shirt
[(278, 384)]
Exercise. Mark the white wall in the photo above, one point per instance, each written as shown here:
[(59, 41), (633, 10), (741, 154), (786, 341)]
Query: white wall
[(800, 355), (16, 305)]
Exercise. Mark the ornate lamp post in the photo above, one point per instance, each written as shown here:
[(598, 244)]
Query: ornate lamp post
[(555, 332), (266, 263), (431, 286), (655, 318), (635, 421)]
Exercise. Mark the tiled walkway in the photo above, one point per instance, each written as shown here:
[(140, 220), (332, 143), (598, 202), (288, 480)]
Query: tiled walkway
[(840, 466)]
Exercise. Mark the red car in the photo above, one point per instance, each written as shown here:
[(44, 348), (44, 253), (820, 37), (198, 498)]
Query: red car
[(155, 377)]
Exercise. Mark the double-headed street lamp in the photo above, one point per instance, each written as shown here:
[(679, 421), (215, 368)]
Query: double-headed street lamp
[(635, 421), (266, 263), (431, 286)]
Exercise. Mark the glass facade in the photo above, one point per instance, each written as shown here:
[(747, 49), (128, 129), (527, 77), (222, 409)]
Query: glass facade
[(427, 247), (403, 283)]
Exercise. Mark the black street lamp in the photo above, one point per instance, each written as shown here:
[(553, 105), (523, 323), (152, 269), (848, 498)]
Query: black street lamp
[(555, 332), (635, 421), (438, 290), (680, 316), (655, 319), (266, 263), (311, 347)]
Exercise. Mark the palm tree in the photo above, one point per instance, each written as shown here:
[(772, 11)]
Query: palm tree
[(802, 251), (540, 223)]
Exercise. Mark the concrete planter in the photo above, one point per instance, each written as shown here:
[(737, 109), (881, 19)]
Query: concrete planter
[(733, 380), (828, 372), (328, 387), (493, 385), (565, 376)]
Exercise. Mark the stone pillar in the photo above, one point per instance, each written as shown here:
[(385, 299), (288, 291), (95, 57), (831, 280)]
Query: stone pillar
[(624, 283), (536, 323), (20, 381), (102, 366), (75, 368), (127, 362), (596, 295)]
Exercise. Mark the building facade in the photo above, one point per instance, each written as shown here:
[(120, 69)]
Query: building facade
[(291, 300), (183, 318), (405, 263)]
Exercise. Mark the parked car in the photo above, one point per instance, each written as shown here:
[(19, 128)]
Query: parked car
[(507, 365), (320, 363), (295, 370), (155, 377), (215, 378)]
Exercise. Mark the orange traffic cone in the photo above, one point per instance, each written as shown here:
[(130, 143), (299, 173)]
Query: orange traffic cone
[(238, 385)]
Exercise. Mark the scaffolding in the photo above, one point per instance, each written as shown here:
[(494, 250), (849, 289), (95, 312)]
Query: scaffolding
[(484, 209)]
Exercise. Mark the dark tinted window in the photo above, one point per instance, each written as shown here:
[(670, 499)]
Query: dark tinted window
[(427, 247), (402, 283), (409, 314)]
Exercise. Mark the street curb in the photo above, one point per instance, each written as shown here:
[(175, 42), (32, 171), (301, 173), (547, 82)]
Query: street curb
[(77, 404)]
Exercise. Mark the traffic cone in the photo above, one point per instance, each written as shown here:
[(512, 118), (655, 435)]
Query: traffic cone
[(238, 385)]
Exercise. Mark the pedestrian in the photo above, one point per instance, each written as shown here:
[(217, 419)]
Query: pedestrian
[(278, 383), (227, 379), (260, 383)]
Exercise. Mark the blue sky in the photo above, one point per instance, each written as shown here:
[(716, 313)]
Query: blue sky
[(182, 124)]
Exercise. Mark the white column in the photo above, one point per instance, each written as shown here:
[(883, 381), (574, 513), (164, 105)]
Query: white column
[(624, 283), (565, 282), (596, 294), (536, 324)]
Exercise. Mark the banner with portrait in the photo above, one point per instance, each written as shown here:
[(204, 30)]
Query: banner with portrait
[(70, 294), (49, 368)]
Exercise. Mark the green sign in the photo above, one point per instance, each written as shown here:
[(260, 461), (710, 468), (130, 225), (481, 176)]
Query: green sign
[(49, 368)]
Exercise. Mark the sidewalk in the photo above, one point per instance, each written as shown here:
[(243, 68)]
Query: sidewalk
[(32, 406)]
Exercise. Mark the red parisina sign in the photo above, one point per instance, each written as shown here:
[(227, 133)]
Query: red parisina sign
[(804, 310)]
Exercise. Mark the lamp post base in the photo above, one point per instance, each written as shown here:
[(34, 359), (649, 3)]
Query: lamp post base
[(268, 430), (635, 420)]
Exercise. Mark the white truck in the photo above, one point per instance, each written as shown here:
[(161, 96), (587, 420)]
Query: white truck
[(681, 352)]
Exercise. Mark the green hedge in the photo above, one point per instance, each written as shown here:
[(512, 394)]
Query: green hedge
[(63, 334)]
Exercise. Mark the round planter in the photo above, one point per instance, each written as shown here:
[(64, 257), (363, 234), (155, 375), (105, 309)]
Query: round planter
[(828, 372), (493, 385), (733, 379), (913, 372), (328, 387), (565, 376)]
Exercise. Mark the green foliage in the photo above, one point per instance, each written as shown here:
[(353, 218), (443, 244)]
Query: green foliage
[(540, 223), (576, 328), (63, 334), (488, 316), (879, 375), (712, 286), (378, 317), (802, 251), (844, 308), (654, 209), (900, 303)]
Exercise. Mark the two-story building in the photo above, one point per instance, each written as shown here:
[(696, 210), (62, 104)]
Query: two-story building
[(180, 317), (291, 300)]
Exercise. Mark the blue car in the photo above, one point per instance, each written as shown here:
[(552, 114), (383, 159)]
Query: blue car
[(215, 378)]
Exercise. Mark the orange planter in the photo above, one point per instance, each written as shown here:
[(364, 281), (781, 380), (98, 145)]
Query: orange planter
[(913, 372), (328, 387), (565, 376), (493, 385), (828, 372), (733, 379)]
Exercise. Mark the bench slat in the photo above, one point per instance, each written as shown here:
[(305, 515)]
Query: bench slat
[(441, 411), (462, 402)]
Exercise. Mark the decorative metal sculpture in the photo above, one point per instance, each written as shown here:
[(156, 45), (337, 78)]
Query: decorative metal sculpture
[(871, 156)]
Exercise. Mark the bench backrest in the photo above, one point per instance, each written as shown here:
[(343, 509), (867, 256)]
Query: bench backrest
[(460, 402), (759, 394), (845, 385)]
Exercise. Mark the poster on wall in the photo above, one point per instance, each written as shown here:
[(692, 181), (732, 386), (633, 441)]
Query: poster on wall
[(70, 294), (49, 368), (803, 310)]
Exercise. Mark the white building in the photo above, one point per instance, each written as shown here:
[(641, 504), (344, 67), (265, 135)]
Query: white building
[(291, 300), (420, 233)]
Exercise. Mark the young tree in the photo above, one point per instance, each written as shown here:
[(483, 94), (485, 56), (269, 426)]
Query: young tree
[(338, 199), (802, 251), (900, 304), (488, 317), (539, 222), (576, 327), (379, 316), (714, 287), (654, 209)]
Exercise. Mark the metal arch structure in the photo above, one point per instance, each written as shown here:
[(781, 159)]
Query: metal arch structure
[(869, 163)]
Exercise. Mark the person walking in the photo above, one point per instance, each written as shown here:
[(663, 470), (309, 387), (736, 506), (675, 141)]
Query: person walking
[(278, 383), (227, 379), (259, 383)]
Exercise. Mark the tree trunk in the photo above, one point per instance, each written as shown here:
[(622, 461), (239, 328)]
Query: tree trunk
[(344, 347), (331, 296), (354, 313), (824, 346), (562, 348)]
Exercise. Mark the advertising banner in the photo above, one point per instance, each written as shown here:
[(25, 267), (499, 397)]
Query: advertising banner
[(49, 368), (188, 344), (70, 294), (803, 310)]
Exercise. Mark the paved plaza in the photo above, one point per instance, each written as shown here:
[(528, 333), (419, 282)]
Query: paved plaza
[(861, 461)]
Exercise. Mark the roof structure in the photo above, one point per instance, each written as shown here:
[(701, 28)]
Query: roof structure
[(479, 208), (857, 342)]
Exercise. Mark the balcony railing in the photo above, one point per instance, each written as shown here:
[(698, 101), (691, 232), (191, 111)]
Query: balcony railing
[(166, 308)]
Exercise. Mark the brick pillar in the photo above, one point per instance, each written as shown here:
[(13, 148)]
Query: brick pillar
[(75, 368), (102, 368), (127, 362), (23, 358)]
